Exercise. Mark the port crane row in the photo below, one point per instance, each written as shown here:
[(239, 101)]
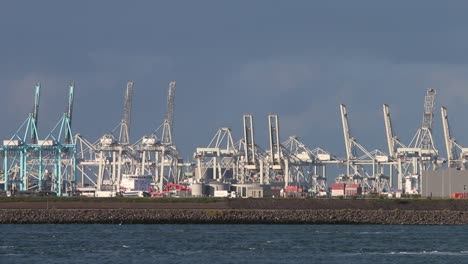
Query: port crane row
[(64, 162)]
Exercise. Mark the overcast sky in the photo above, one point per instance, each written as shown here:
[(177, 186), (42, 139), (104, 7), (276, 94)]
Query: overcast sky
[(298, 59)]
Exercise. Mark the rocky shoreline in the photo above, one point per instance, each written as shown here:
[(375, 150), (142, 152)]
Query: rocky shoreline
[(234, 211), (232, 216)]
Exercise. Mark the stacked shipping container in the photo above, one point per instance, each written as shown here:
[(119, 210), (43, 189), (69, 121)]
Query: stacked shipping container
[(346, 189), (338, 189), (353, 189)]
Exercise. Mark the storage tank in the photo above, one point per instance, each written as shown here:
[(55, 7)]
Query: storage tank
[(197, 189)]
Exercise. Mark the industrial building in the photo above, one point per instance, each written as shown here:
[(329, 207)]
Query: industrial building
[(448, 182)]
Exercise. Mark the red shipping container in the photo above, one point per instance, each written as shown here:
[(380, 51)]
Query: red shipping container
[(353, 185), (458, 195), (291, 189), (338, 186)]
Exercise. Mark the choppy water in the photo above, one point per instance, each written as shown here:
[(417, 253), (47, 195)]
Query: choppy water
[(232, 244)]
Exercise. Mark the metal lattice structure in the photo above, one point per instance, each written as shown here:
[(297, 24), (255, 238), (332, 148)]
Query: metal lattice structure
[(423, 137), (306, 169), (217, 161)]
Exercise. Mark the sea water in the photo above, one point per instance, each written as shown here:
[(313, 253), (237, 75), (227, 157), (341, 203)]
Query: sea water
[(211, 244)]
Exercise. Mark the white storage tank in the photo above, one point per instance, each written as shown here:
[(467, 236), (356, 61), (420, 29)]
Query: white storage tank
[(197, 189)]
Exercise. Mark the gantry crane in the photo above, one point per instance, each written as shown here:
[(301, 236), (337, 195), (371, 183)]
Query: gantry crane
[(393, 145), (57, 154), (252, 158), (277, 162), (17, 149), (374, 180), (43, 165), (306, 168), (158, 155), (457, 156), (103, 162), (218, 160), (420, 154), (115, 156)]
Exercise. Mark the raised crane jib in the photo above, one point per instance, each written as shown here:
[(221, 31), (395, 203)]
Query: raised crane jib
[(68, 136), (249, 148), (35, 113), (170, 105), (449, 141), (346, 132), (275, 148), (127, 115), (389, 131), (429, 109)]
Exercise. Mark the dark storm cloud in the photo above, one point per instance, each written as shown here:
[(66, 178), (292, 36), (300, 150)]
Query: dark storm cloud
[(299, 59)]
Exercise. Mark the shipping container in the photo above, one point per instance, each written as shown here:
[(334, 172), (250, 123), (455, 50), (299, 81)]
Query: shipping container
[(337, 192), (458, 195), (291, 189), (338, 186)]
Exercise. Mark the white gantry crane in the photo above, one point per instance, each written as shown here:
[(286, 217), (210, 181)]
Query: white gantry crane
[(420, 154), (393, 145), (115, 155), (357, 167), (158, 155), (252, 158), (104, 162), (457, 156), (308, 167), (277, 162), (218, 160)]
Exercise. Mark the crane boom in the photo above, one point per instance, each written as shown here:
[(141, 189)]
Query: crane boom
[(429, 108), (70, 112), (35, 113), (447, 136), (426, 139), (169, 118), (389, 131), (346, 132), (275, 148), (423, 137), (126, 120), (249, 147), (170, 107)]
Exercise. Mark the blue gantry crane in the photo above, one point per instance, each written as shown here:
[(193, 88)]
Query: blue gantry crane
[(15, 150), (43, 165)]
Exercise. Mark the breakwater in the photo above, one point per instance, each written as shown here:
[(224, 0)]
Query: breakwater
[(232, 211), (229, 216)]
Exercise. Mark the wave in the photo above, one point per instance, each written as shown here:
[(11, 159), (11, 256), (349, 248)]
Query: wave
[(434, 252)]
